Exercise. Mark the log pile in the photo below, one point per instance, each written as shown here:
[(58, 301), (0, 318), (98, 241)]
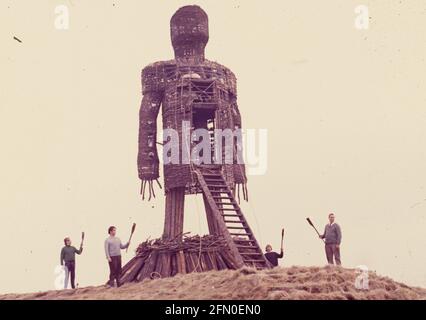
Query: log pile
[(161, 258)]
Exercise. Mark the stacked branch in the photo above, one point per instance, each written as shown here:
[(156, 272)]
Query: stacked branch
[(161, 258)]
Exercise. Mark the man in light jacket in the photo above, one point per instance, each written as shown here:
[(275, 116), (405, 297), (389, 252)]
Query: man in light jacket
[(113, 247), (333, 237)]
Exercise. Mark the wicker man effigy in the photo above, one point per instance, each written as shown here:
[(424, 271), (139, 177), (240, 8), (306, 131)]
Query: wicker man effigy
[(189, 88), (196, 95)]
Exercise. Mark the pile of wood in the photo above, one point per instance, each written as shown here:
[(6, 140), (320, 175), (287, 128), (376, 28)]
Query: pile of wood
[(161, 258)]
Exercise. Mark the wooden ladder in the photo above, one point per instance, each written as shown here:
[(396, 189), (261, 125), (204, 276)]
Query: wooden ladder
[(230, 218)]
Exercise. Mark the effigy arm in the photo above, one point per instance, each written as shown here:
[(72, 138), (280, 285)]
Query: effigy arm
[(148, 162)]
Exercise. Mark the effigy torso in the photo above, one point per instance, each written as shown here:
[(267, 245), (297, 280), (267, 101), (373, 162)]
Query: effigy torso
[(185, 88)]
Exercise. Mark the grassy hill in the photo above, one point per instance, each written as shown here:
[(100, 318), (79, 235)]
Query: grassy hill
[(280, 283)]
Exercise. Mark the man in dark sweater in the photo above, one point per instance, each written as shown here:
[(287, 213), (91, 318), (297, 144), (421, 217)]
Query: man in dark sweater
[(272, 256), (333, 237), (68, 259)]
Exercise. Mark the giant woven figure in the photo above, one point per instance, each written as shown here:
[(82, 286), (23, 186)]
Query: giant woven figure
[(204, 94)]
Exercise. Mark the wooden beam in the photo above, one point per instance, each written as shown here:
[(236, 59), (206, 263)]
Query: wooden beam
[(175, 204), (211, 221), (221, 224)]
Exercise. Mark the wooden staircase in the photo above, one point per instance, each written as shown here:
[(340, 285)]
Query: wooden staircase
[(230, 219)]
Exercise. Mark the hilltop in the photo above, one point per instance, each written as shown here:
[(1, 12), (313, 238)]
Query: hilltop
[(280, 283)]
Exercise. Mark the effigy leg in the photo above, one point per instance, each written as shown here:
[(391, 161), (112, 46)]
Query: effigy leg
[(175, 203)]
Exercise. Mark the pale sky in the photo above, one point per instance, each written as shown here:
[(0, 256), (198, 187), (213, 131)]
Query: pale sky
[(345, 111)]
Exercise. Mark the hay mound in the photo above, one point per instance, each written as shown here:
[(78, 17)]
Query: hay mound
[(279, 283), (161, 258)]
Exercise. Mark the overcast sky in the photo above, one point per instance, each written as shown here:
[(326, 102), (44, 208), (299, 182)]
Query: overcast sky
[(345, 111)]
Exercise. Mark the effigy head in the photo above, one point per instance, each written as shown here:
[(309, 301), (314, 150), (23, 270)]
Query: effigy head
[(189, 28)]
